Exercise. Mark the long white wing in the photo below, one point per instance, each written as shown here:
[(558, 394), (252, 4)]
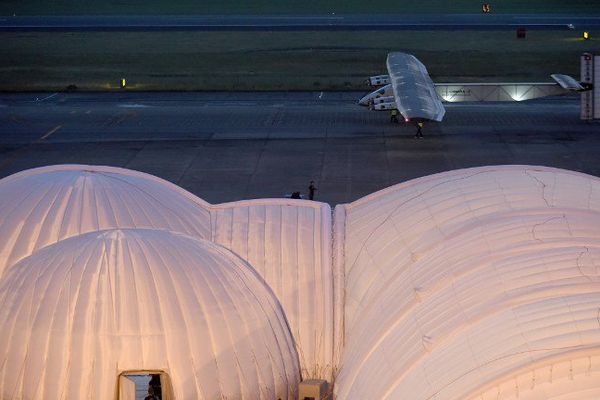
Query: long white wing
[(414, 91)]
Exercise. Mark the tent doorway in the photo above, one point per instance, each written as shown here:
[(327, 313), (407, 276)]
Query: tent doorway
[(144, 385)]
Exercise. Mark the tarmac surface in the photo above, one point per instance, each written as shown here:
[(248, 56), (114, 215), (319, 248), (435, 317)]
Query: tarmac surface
[(230, 146), (308, 22)]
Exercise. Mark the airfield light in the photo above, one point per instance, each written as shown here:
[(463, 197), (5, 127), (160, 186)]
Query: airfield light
[(586, 35), (123, 83), (517, 97)]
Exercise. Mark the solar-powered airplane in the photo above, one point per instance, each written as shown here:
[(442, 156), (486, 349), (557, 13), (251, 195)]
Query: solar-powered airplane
[(409, 89)]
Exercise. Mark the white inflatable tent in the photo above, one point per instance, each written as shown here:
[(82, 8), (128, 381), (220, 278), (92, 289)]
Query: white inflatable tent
[(287, 241), (473, 284), (77, 314), (42, 206), (478, 283)]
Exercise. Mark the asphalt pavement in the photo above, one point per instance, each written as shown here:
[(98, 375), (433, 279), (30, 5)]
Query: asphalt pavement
[(230, 146), (308, 22)]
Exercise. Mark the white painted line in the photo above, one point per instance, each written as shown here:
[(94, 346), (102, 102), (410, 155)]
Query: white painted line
[(50, 132), (133, 106), (320, 95), (47, 97)]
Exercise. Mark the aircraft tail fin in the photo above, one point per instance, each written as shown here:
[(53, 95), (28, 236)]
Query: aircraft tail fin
[(568, 82)]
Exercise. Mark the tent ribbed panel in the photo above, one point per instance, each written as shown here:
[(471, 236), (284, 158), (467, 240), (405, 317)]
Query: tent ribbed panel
[(43, 206), (456, 281), (77, 313), (287, 242)]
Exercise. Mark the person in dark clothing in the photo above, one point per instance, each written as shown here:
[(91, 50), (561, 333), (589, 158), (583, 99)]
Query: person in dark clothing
[(154, 384), (419, 134), (151, 395), (311, 190), (394, 116)]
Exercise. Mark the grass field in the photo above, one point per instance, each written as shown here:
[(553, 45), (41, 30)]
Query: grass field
[(69, 7), (275, 60)]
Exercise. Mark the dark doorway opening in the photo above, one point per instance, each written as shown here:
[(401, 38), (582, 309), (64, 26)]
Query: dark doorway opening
[(144, 385)]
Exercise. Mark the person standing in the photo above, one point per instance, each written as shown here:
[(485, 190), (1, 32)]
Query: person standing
[(155, 385), (419, 133), (311, 190), (394, 116)]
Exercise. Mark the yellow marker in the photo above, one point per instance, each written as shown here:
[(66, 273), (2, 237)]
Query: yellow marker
[(123, 83), (586, 35)]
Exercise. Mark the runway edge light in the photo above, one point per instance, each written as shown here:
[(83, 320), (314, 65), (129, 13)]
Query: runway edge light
[(123, 83), (586, 35)]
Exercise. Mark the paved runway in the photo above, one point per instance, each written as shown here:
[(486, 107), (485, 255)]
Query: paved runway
[(331, 22), (229, 146)]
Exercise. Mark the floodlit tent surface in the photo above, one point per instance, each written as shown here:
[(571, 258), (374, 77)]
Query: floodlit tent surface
[(42, 206), (477, 283), (289, 244), (286, 241), (78, 313), (473, 284)]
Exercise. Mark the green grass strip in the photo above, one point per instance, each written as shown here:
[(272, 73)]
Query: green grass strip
[(275, 60)]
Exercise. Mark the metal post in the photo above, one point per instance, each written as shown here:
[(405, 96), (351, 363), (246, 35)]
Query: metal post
[(596, 78), (587, 76)]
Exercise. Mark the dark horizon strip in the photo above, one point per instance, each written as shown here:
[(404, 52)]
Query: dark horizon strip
[(293, 23)]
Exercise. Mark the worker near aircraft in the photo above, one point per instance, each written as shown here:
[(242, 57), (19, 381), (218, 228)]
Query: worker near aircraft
[(419, 134)]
